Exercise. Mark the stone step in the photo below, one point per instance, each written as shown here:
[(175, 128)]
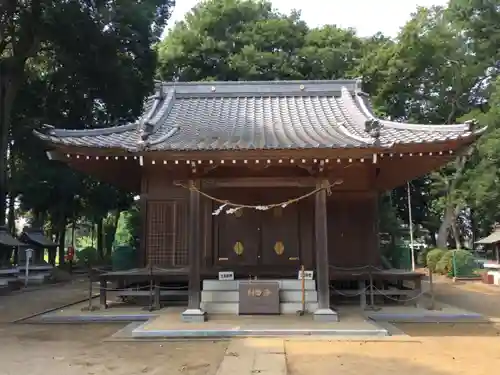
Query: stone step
[(4, 281), (285, 284), (36, 278), (232, 307), (233, 296), (37, 268), (8, 271)]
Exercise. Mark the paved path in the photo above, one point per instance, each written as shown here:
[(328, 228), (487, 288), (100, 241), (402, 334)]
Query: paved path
[(469, 296), (22, 304), (254, 356)]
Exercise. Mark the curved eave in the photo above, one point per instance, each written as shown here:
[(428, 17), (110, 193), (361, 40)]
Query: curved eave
[(396, 133), (121, 138)]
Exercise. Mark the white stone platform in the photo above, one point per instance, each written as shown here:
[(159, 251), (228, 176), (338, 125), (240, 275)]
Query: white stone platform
[(167, 323), (222, 297), (408, 314)]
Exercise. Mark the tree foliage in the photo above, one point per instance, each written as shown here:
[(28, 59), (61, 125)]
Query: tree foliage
[(79, 64), (74, 64)]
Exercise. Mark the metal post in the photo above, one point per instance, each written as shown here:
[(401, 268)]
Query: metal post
[(90, 289), (90, 306), (431, 291), (29, 255), (410, 221), (372, 306), (151, 295), (454, 260)]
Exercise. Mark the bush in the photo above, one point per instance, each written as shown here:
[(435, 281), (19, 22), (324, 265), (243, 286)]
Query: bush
[(422, 257), (433, 257), (87, 255), (464, 261)]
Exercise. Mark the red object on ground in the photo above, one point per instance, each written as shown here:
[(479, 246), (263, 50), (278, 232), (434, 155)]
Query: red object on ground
[(488, 279), (71, 253)]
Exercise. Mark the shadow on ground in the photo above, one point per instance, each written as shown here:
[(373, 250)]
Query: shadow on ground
[(472, 329), (461, 295)]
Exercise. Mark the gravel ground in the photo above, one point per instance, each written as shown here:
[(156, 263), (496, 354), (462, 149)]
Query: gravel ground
[(435, 349)]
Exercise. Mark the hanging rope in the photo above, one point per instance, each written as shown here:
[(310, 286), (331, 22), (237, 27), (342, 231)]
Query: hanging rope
[(325, 185)]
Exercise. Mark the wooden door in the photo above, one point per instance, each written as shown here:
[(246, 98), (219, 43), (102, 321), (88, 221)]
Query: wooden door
[(280, 236), (238, 238)]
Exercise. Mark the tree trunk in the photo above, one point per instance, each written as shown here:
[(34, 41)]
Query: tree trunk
[(11, 220), (449, 212), (111, 232), (52, 252), (6, 101), (474, 229), (432, 239), (100, 238), (454, 229), (12, 69), (62, 241)]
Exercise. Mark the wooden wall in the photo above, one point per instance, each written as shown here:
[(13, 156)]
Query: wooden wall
[(166, 222), (352, 241), (352, 228)]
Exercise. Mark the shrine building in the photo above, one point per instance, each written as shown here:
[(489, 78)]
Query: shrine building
[(257, 179)]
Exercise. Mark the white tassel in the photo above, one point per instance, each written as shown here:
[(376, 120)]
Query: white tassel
[(219, 210)]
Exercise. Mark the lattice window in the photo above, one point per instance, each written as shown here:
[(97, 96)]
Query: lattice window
[(167, 233)]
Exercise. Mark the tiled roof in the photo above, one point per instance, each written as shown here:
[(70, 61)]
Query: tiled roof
[(6, 238), (257, 115), (36, 236)]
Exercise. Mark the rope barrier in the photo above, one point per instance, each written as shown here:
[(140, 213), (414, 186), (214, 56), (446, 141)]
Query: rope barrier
[(146, 287), (399, 299), (326, 185), (360, 292), (236, 206), (356, 268)]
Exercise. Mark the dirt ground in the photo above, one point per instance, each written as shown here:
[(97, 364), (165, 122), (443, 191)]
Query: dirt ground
[(429, 356), (79, 349), (432, 349)]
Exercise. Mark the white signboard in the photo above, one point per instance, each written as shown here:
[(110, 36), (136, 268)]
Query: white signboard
[(226, 275), (308, 275)]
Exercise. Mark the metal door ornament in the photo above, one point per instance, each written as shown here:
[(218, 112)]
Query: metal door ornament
[(238, 248), (279, 248)]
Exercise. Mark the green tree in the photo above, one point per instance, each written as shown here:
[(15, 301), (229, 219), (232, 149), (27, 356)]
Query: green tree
[(96, 43), (428, 77)]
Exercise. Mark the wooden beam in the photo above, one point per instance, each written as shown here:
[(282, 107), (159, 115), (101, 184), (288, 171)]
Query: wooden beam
[(193, 312), (322, 264), (321, 244), (143, 255), (259, 182), (193, 248)]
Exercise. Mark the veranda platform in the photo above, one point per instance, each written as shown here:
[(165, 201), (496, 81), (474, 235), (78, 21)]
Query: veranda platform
[(167, 323), (442, 313)]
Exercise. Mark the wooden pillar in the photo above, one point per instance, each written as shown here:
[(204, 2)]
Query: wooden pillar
[(193, 313), (324, 312), (377, 257), (142, 253)]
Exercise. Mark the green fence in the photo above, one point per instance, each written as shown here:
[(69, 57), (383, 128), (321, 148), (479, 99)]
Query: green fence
[(453, 263)]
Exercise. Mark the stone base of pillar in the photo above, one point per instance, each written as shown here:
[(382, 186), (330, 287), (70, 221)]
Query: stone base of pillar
[(194, 316), (325, 315)]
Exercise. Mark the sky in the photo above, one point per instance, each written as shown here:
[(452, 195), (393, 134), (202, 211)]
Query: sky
[(366, 16)]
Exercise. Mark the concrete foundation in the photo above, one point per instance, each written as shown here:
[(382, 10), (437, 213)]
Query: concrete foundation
[(194, 316), (325, 315)]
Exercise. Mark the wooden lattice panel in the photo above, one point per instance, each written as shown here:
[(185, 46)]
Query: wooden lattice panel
[(167, 233)]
